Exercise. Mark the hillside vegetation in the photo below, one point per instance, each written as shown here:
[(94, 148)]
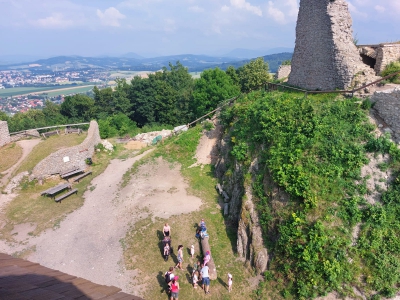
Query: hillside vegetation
[(314, 148)]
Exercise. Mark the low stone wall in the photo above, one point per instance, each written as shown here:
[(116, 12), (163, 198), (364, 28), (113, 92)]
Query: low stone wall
[(387, 104), (69, 158), (386, 54), (27, 133), (4, 134), (283, 71)]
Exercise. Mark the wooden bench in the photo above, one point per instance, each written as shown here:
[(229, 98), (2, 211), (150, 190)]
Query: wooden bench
[(82, 176), (71, 173), (50, 133), (56, 189), (73, 130), (63, 196)]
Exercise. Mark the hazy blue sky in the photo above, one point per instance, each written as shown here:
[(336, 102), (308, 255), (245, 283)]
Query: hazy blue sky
[(147, 27)]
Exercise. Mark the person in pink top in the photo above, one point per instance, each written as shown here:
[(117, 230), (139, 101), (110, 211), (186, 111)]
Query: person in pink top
[(207, 258), (175, 288)]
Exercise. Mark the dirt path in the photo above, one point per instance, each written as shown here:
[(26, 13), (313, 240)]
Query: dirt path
[(88, 242), (27, 146)]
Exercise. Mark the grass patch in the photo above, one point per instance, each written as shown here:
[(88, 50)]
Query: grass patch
[(48, 146), (44, 212), (9, 155), (145, 235)]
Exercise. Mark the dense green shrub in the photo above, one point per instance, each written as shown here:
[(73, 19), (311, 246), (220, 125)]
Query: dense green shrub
[(314, 148), (391, 68)]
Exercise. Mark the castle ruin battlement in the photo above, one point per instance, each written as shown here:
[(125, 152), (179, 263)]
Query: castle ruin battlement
[(325, 56)]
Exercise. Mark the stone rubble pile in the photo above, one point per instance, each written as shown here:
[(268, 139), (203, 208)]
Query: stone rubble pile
[(14, 183), (148, 137), (107, 145)]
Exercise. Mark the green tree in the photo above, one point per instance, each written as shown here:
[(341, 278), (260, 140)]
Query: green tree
[(78, 108), (213, 87), (233, 74), (52, 114), (253, 74)]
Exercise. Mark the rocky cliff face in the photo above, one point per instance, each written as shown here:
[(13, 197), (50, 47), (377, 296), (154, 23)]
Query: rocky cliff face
[(237, 180)]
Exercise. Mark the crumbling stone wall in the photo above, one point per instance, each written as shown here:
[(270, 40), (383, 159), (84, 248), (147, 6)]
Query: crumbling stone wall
[(386, 54), (4, 134), (325, 56), (283, 71), (387, 104), (69, 158)]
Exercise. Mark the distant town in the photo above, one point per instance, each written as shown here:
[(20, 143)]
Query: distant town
[(21, 90)]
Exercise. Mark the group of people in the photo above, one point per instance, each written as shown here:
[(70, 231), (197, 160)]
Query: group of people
[(200, 271)]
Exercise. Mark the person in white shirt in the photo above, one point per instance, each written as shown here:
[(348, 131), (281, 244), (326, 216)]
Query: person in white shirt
[(206, 279)]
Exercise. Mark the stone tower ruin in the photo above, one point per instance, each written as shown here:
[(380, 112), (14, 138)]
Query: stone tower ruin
[(4, 134), (325, 56)]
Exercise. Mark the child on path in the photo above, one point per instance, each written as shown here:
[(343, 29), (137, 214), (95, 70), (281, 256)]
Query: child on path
[(229, 282), (192, 251), (195, 279), (166, 251)]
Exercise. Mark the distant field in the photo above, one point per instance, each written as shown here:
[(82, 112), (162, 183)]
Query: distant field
[(23, 90), (76, 90), (50, 90)]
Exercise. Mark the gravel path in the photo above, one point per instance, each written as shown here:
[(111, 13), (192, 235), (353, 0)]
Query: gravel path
[(87, 244)]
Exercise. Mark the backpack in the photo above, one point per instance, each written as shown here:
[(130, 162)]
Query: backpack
[(167, 277)]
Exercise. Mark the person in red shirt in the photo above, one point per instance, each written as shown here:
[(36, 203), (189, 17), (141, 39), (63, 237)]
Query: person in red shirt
[(174, 288)]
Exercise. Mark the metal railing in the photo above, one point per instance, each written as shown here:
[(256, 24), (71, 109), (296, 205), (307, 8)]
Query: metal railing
[(48, 127)]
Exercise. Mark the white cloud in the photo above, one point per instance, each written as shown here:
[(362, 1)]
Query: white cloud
[(56, 21), (242, 4), (293, 8), (110, 17), (196, 9), (353, 9), (276, 13), (169, 25), (379, 8), (225, 8)]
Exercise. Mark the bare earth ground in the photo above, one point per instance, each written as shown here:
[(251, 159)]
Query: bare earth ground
[(88, 242)]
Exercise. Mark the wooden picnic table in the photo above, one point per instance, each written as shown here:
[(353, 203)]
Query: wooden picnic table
[(54, 190)]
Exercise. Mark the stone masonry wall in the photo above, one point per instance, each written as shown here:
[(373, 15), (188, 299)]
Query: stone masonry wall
[(283, 71), (387, 104), (4, 134), (325, 57), (55, 162), (386, 54)]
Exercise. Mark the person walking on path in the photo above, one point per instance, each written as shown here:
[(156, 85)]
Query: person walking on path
[(166, 230), (206, 279), (180, 257), (174, 288)]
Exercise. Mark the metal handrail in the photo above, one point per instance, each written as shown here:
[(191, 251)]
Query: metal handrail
[(56, 126)]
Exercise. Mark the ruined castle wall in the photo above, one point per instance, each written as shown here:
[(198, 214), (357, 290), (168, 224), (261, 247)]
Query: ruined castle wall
[(325, 57), (387, 104), (283, 71), (4, 133), (69, 158), (386, 54)]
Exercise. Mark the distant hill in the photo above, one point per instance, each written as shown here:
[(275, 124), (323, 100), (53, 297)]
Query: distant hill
[(248, 53), (273, 60), (195, 63)]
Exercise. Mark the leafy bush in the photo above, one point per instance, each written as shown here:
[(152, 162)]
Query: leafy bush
[(314, 149), (391, 68)]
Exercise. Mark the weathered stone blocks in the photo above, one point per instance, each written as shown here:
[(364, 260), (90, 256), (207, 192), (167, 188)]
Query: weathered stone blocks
[(4, 134), (69, 158), (325, 56), (387, 104)]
